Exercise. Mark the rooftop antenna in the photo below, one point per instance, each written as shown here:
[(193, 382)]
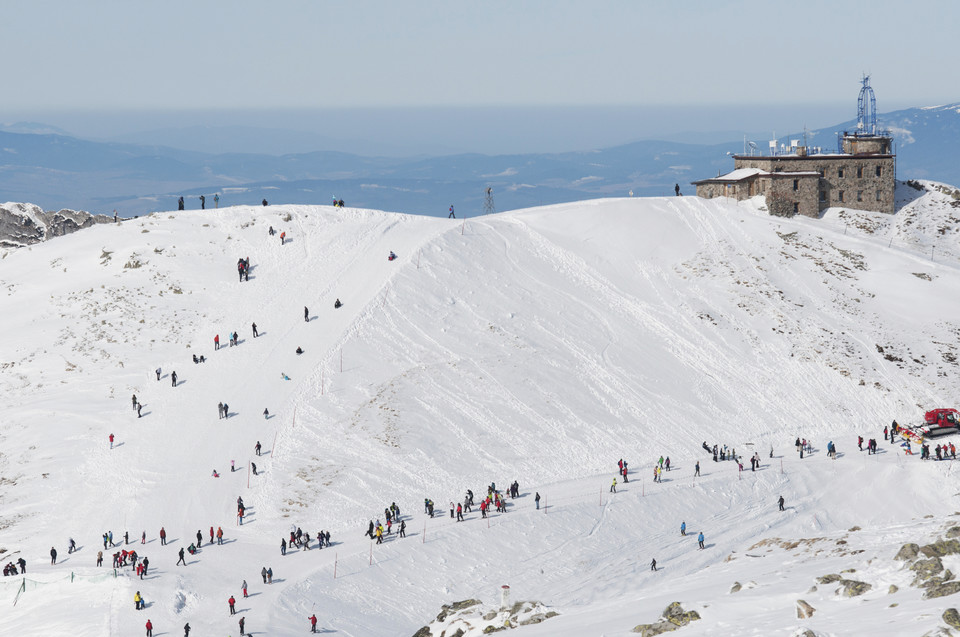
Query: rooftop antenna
[(866, 113), (488, 207)]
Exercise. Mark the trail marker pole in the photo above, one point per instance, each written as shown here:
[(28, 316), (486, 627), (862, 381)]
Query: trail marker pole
[(544, 505), (273, 450), (418, 258), (488, 521), (423, 538), (335, 558), (781, 465), (248, 475)]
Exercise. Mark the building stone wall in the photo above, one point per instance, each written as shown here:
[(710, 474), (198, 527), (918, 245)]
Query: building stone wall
[(847, 181)]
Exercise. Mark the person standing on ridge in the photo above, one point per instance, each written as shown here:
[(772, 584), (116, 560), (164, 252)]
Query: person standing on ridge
[(180, 203), (683, 528), (313, 623), (653, 564), (451, 215), (700, 539), (203, 202), (306, 314), (676, 189), (216, 200), (173, 378), (537, 500), (780, 502), (255, 333)]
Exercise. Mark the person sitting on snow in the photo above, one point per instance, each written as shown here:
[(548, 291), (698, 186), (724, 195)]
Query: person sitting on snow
[(392, 256), (337, 304)]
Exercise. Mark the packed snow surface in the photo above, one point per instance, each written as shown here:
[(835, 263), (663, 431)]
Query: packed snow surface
[(540, 346)]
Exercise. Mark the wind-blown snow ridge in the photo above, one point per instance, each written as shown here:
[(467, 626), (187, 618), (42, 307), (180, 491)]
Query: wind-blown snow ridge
[(540, 346)]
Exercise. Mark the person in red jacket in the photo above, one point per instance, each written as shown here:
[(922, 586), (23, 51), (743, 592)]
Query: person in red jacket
[(163, 536), (313, 623), (211, 535), (219, 535), (111, 441), (232, 601), (149, 628)]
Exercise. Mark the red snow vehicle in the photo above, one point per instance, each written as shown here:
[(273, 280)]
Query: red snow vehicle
[(941, 421)]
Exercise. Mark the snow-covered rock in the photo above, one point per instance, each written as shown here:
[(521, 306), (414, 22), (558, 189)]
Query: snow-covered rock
[(23, 224)]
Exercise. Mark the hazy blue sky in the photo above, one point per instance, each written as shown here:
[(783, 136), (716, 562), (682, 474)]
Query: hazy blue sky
[(86, 58)]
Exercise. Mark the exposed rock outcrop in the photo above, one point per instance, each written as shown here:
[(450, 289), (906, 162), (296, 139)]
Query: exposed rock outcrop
[(804, 610), (673, 618), (854, 588), (951, 618), (23, 224), (908, 552), (472, 617)]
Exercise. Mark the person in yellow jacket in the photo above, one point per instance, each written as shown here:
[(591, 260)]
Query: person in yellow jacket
[(379, 534), (613, 487), (137, 601)]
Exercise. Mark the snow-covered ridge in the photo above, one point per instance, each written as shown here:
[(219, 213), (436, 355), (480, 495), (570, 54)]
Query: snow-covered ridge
[(540, 346), (23, 224)]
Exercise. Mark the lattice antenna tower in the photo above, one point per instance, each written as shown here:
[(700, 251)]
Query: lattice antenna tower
[(866, 109), (488, 207)]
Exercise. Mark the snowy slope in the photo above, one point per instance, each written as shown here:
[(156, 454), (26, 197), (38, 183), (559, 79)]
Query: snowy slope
[(540, 345)]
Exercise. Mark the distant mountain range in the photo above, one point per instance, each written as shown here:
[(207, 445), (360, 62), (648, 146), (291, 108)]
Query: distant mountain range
[(46, 167)]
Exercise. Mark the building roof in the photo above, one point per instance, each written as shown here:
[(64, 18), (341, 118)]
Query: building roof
[(736, 175)]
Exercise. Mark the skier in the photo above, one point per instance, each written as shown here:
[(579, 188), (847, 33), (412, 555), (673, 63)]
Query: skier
[(149, 623), (653, 564), (139, 407), (403, 531), (254, 467), (53, 556), (263, 573), (181, 558), (459, 514), (163, 536), (220, 410), (137, 600), (537, 500), (243, 587), (676, 189), (135, 403), (203, 202), (391, 256), (780, 502), (242, 622), (700, 539), (283, 546), (99, 558), (451, 215), (173, 378), (111, 441), (143, 537), (264, 202), (269, 576), (216, 200), (199, 538), (337, 304), (613, 487), (306, 314), (683, 528), (180, 203), (219, 535), (697, 469), (158, 373), (313, 623), (255, 334), (257, 448), (860, 443), (232, 601), (211, 535), (283, 236), (186, 630)]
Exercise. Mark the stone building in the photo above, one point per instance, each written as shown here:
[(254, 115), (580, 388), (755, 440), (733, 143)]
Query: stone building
[(797, 182), (801, 180)]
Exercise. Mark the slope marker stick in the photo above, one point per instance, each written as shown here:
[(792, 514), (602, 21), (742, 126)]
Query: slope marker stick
[(335, 558), (273, 450), (418, 258), (423, 538), (248, 475)]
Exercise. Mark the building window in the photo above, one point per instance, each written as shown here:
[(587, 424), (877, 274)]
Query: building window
[(840, 174), (796, 184), (879, 197), (859, 172), (840, 195), (796, 208), (823, 195), (879, 172), (859, 195)]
